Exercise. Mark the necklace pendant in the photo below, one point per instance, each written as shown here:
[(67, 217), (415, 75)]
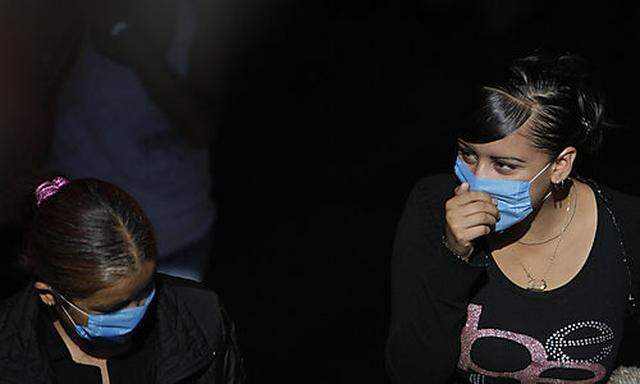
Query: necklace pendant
[(537, 285)]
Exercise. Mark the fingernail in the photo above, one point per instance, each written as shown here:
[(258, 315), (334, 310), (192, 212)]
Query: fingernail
[(494, 202)]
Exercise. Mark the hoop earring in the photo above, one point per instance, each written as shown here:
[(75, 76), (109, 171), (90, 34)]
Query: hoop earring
[(558, 190), (558, 186)]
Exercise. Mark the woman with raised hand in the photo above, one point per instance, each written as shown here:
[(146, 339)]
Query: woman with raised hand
[(517, 269)]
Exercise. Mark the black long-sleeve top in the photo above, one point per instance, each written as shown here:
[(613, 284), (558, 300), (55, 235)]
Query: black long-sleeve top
[(431, 289)]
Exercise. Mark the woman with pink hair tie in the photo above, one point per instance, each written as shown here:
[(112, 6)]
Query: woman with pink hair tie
[(96, 310)]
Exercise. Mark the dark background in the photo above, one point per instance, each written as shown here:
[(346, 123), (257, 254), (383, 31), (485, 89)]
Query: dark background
[(334, 110)]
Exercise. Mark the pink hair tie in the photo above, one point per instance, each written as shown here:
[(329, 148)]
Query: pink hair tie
[(49, 188)]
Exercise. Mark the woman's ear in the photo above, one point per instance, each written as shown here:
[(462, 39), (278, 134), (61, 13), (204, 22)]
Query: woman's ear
[(45, 293), (563, 164)]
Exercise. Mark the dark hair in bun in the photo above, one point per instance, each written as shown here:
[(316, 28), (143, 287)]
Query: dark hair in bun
[(554, 95)]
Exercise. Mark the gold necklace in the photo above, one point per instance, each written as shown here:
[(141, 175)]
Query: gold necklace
[(540, 284), (564, 228)]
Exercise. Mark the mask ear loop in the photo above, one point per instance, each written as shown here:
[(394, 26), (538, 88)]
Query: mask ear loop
[(69, 316), (71, 304), (540, 173)]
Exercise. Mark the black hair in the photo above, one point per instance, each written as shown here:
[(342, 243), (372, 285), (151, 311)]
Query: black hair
[(86, 237), (554, 95)]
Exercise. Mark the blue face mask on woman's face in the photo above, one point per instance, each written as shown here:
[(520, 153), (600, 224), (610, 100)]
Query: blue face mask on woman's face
[(513, 197), (114, 327)]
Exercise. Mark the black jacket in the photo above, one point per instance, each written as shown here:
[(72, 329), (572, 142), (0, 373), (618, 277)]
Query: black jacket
[(430, 288), (194, 339)]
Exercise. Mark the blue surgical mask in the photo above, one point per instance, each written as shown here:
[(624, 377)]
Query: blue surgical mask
[(115, 327), (513, 197)]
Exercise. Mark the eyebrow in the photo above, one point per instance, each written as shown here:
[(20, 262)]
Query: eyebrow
[(468, 147)]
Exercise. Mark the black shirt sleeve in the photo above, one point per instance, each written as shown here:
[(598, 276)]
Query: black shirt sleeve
[(429, 290)]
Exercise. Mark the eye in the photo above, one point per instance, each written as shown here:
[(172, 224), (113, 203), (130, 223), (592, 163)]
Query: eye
[(466, 155), (504, 168)]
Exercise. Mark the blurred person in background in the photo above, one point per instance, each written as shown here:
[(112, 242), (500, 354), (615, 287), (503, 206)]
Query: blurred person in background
[(96, 311), (137, 109)]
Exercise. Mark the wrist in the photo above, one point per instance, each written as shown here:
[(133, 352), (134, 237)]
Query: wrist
[(464, 255)]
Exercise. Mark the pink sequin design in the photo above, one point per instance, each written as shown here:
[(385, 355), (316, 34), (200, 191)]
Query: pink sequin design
[(49, 188), (539, 362)]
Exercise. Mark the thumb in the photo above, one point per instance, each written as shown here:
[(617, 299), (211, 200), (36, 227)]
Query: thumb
[(462, 188)]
